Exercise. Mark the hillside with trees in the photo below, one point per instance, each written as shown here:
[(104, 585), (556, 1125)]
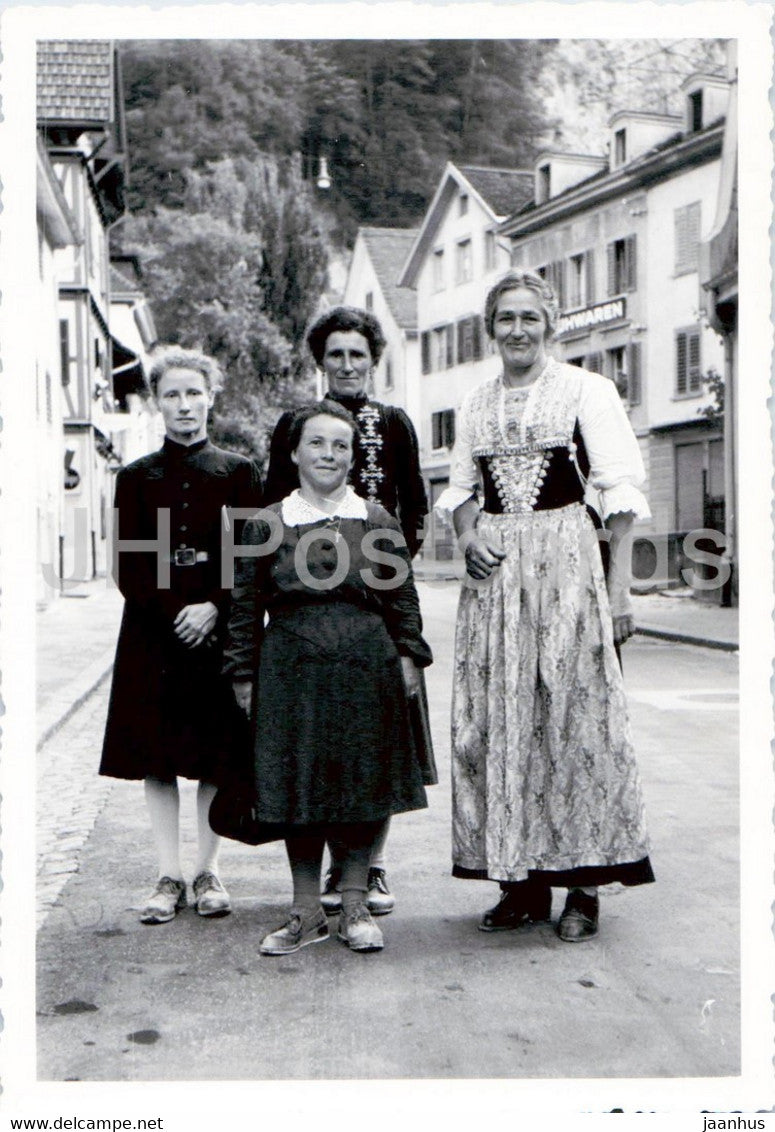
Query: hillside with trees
[(226, 140)]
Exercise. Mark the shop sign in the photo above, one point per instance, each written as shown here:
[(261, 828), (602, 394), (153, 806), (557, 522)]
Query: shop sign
[(597, 315)]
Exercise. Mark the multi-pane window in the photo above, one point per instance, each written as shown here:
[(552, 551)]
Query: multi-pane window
[(490, 251), (443, 428), (688, 372), (620, 147), (442, 348), (616, 369), (463, 262), (470, 339), (624, 369), (438, 269), (554, 274), (452, 344), (581, 280), (687, 237), (622, 265)]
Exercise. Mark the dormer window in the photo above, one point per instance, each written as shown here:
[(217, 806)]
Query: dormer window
[(544, 182), (695, 111), (620, 147)]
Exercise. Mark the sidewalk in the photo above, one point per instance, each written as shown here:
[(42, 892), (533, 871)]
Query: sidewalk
[(75, 646), (671, 615)]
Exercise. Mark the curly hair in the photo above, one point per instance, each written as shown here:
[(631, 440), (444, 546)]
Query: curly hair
[(345, 319), (166, 358), (533, 282), (327, 408)]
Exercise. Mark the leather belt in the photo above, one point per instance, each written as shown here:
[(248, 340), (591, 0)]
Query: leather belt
[(187, 556)]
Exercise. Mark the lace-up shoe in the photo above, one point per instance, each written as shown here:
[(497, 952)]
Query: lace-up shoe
[(165, 901), (211, 897), (379, 899), (358, 930), (524, 902), (331, 897), (297, 932)]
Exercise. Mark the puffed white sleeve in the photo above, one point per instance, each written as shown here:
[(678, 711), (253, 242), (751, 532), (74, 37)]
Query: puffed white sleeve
[(464, 474), (615, 462)]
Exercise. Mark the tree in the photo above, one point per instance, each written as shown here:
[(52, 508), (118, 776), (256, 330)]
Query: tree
[(237, 271)]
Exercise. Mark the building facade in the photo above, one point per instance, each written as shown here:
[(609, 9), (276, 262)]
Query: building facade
[(456, 255), (372, 284), (81, 130), (620, 242)]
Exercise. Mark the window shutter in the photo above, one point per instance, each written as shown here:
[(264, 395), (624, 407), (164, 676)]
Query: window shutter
[(425, 348), (611, 257), (589, 263), (64, 350), (436, 429), (450, 429), (634, 383), (461, 341), (594, 362), (680, 363), (558, 281), (449, 331), (478, 331), (631, 265), (695, 376)]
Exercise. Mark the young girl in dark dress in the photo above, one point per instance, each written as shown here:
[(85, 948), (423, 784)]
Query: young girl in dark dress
[(327, 680)]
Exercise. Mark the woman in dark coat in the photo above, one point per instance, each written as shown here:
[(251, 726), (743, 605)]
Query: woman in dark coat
[(171, 712), (347, 343), (327, 681)]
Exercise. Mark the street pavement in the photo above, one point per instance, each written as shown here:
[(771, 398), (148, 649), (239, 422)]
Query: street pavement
[(656, 994)]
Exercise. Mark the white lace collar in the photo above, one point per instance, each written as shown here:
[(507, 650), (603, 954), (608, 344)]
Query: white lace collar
[(296, 511)]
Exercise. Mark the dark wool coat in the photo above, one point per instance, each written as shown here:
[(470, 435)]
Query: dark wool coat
[(171, 711), (386, 464)]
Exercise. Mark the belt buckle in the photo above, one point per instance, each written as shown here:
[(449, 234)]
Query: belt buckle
[(185, 557)]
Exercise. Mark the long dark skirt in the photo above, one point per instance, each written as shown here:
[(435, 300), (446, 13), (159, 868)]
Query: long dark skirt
[(171, 711), (332, 737)]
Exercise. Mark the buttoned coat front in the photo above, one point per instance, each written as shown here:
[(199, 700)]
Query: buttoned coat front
[(171, 711)]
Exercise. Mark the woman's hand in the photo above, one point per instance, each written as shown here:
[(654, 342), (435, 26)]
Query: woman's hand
[(619, 576), (482, 557), (195, 623), (411, 674), (243, 693)]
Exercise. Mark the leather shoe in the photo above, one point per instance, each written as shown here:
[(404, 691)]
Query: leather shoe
[(211, 897), (521, 903), (579, 917)]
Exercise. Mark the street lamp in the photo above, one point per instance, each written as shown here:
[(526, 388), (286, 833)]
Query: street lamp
[(324, 180)]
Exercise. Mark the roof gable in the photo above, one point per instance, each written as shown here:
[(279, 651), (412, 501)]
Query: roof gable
[(387, 249), (492, 187)]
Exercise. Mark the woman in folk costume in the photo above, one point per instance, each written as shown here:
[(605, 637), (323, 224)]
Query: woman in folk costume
[(546, 791)]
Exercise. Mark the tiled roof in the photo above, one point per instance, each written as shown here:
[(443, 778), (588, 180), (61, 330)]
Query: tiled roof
[(388, 249), (75, 80), (504, 190)]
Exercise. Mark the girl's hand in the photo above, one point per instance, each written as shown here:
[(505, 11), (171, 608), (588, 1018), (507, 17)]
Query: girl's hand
[(243, 693), (411, 675)]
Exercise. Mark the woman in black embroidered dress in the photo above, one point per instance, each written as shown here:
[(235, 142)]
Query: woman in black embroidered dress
[(347, 343), (545, 786), (327, 681)]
